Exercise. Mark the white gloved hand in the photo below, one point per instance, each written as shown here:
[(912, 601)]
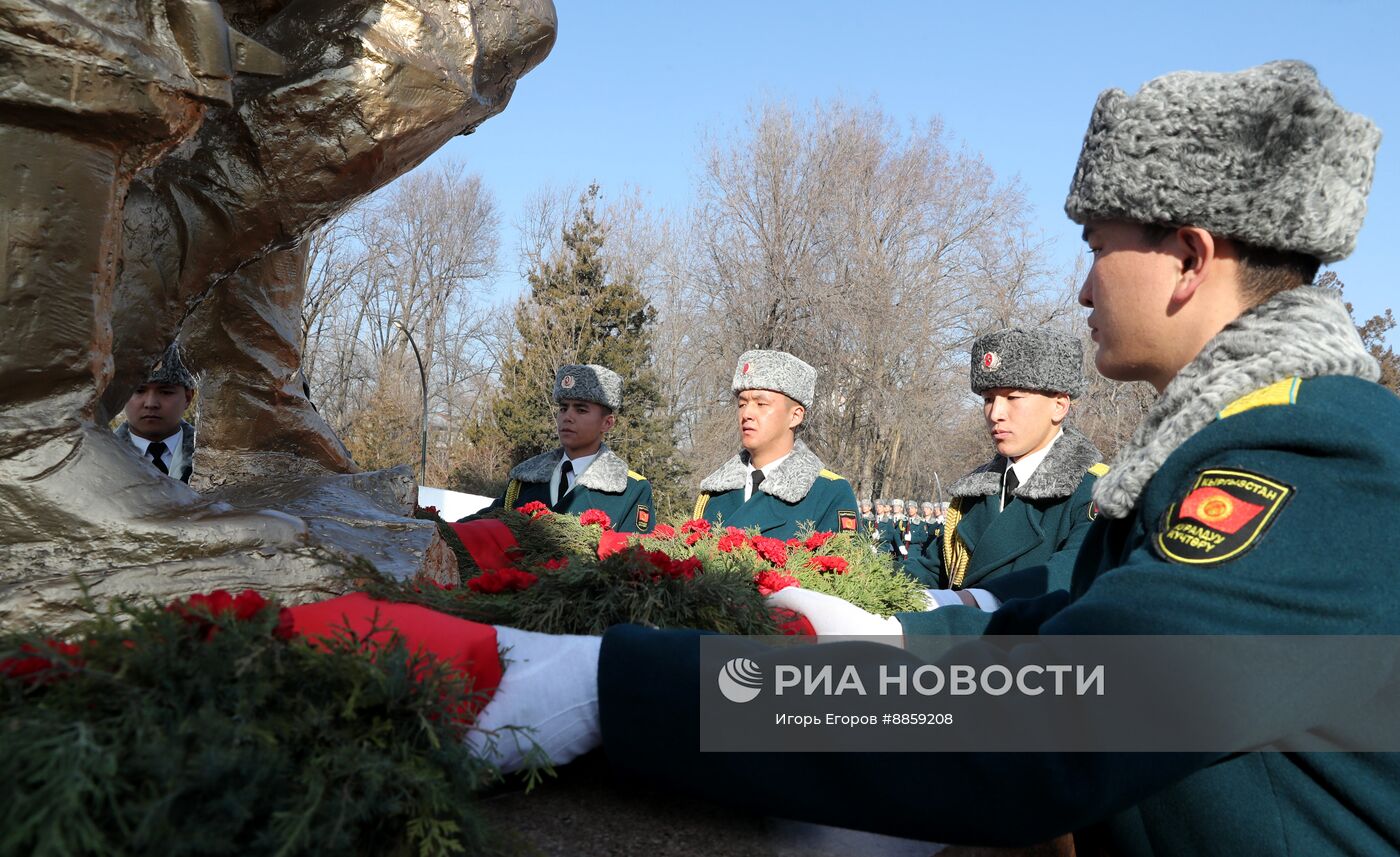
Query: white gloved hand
[(550, 689), (949, 597), (832, 616)]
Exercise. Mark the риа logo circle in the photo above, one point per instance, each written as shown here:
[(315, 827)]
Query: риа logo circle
[(740, 680)]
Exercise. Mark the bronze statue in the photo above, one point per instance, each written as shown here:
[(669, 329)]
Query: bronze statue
[(153, 158)]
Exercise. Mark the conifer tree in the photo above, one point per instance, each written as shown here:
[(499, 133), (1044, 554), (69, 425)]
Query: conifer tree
[(577, 312)]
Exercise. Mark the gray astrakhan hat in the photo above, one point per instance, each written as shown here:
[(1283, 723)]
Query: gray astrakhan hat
[(170, 369), (1028, 360), (1263, 156), (778, 371), (589, 383)]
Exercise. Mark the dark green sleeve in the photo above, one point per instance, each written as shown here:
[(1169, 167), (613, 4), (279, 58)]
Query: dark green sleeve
[(629, 522), (1058, 570), (649, 706), (925, 563), (842, 498)]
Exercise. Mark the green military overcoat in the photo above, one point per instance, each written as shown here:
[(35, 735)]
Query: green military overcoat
[(800, 491), (1040, 528)]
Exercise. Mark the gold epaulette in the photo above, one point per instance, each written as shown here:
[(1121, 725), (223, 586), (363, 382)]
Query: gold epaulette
[(512, 493), (827, 474), (700, 507), (637, 476), (1283, 392), (1098, 469)]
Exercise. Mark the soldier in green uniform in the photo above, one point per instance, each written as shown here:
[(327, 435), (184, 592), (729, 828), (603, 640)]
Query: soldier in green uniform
[(933, 525), (918, 526), (775, 483), (1257, 497), (583, 473), (881, 535), (1029, 507)]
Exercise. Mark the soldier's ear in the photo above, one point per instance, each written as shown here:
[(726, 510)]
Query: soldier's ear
[(795, 419)]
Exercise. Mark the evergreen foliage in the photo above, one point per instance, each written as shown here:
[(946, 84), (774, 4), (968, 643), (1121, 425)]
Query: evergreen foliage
[(158, 735), (583, 578), (579, 312)]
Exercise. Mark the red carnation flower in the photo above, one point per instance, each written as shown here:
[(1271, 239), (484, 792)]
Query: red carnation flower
[(502, 580), (534, 509), (792, 623), (834, 564), (610, 543), (696, 525), (663, 566), (556, 564), (686, 568), (794, 543), (35, 664), (664, 531), (216, 603), (772, 550), (816, 540), (771, 581), (733, 540), (286, 625), (595, 516), (248, 604)]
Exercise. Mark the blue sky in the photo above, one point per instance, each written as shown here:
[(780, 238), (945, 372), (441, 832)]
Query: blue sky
[(631, 86)]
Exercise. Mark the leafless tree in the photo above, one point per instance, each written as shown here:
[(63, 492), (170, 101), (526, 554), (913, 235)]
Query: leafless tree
[(414, 258), (874, 252)]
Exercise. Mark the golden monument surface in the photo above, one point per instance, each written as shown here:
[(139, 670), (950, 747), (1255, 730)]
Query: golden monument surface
[(160, 163)]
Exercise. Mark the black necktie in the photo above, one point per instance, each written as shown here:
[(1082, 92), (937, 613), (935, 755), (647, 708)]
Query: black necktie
[(1009, 489), (155, 451), (757, 481), (566, 472)]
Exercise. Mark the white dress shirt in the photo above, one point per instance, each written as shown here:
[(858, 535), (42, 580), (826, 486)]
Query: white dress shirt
[(556, 491), (767, 469), (172, 458), (1026, 466)]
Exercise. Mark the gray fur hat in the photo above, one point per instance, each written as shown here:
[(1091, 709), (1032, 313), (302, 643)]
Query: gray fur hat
[(882, 502), (928, 504), (1263, 156), (898, 504), (778, 371), (1028, 360), (589, 383), (170, 369)]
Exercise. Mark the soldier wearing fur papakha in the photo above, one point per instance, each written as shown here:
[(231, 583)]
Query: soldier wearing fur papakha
[(1030, 506), (155, 424), (583, 473), (776, 483)]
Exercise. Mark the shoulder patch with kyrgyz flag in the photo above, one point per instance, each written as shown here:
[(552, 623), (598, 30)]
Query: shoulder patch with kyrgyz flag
[(1224, 515), (643, 518), (846, 521)]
